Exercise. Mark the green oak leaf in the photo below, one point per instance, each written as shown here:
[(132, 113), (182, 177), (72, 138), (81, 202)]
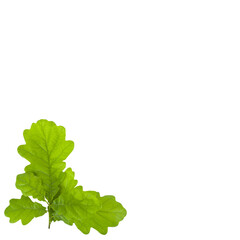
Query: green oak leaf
[(30, 185), (24, 209), (110, 214), (86, 208), (68, 182), (46, 149)]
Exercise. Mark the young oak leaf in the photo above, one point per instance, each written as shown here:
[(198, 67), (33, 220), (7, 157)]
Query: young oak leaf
[(68, 182), (30, 185), (86, 208), (24, 209), (46, 149), (110, 214)]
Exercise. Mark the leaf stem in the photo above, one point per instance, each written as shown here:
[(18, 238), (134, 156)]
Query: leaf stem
[(49, 217)]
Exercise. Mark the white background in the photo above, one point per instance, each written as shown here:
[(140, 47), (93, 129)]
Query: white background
[(148, 91)]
